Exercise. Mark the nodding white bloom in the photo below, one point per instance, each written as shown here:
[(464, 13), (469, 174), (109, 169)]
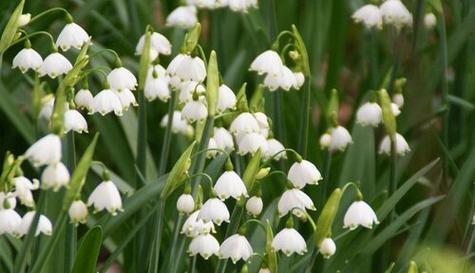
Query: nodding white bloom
[(24, 19), (159, 44), (214, 210), (359, 214), (340, 138), (10, 222), (188, 89), (223, 139), (226, 98), (369, 15), (264, 270), (106, 196), (327, 248), (398, 99), (370, 114), (285, 79), (401, 145), (268, 62), (295, 201), (229, 184), (182, 17), (325, 140), (395, 109), (44, 225), (105, 102), (72, 35), (289, 241), (179, 124), (212, 146), (194, 226), (121, 78), (7, 201), (55, 176), (126, 98), (23, 188), (45, 151), (395, 13), (242, 5), (254, 206), (55, 65), (78, 212), (205, 245), (84, 99), (273, 147), (430, 20), (74, 121), (244, 123), (187, 68), (156, 85), (299, 80), (251, 143), (263, 123), (207, 4), (27, 59), (303, 173), (47, 108), (185, 203), (235, 247), (194, 110)]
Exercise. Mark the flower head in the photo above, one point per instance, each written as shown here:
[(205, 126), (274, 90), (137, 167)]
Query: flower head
[(182, 17), (179, 124), (194, 111), (303, 173), (359, 214), (235, 247), (126, 98), (229, 184), (224, 139), (284, 79), (78, 212), (24, 188), (370, 114), (402, 148), (10, 222), (194, 226), (274, 147), (295, 201), (327, 248), (395, 13), (205, 245), (251, 143), (74, 121), (340, 139), (55, 65), (214, 210), (187, 68), (106, 196), (226, 98), (45, 151), (105, 102), (369, 15), (156, 85), (27, 59), (159, 44), (244, 123), (242, 5), (55, 176), (84, 99), (44, 224), (289, 241), (187, 89), (430, 21), (72, 35), (268, 62), (185, 203), (254, 206), (121, 78)]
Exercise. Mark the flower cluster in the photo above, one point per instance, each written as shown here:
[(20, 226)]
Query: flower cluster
[(391, 12)]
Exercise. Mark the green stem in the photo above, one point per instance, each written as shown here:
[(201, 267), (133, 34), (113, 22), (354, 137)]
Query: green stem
[(199, 162), (167, 138), (176, 234), (142, 137), (326, 178), (193, 264), (71, 232), (47, 12), (157, 240), (305, 124), (445, 90)]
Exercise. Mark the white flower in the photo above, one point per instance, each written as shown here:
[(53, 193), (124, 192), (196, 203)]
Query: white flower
[(7, 200), (223, 139), (303, 173), (401, 145), (295, 201), (226, 98), (369, 15), (84, 99), (105, 102), (325, 140), (23, 188), (206, 4), (370, 114), (289, 241), (55, 176), (185, 203), (205, 245), (121, 78), (268, 62), (273, 147), (244, 123), (214, 210), (156, 85), (327, 248), (9, 222), (242, 5), (126, 98), (395, 13), (106, 196), (55, 65), (194, 111), (182, 17), (229, 184), (187, 89), (359, 214), (340, 139), (179, 125), (264, 270), (72, 35), (44, 225), (194, 226), (74, 121), (398, 99), (299, 80), (395, 109), (45, 151), (159, 44), (285, 79), (263, 123), (235, 247), (250, 143), (212, 146), (254, 206), (430, 21), (47, 108), (187, 68), (24, 19), (78, 212), (27, 59)]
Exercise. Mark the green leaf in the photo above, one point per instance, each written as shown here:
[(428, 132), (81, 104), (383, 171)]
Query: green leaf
[(249, 175), (178, 173), (11, 28), (271, 254), (88, 253), (325, 221), (144, 60), (212, 84)]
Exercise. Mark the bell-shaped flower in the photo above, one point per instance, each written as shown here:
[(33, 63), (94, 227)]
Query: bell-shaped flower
[(121, 78), (289, 241), (395, 13), (182, 17), (340, 139), (55, 65), (295, 201), (263, 123), (369, 114), (74, 121), (398, 99), (359, 214), (254, 206), (430, 21), (284, 80), (45, 151), (226, 99), (10, 222), (327, 248), (156, 85), (402, 148), (205, 245), (187, 68), (27, 59), (244, 123), (72, 35), (369, 15), (185, 203), (24, 188), (303, 173), (159, 45), (194, 111), (194, 226), (268, 62), (214, 210), (236, 247), (126, 98), (55, 176), (105, 102), (84, 99), (224, 139), (44, 224), (187, 89), (179, 124), (299, 80), (251, 143), (78, 212), (106, 196), (274, 147), (242, 5), (229, 184)]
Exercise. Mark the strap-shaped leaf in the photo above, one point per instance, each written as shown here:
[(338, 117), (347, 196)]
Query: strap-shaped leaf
[(86, 258)]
